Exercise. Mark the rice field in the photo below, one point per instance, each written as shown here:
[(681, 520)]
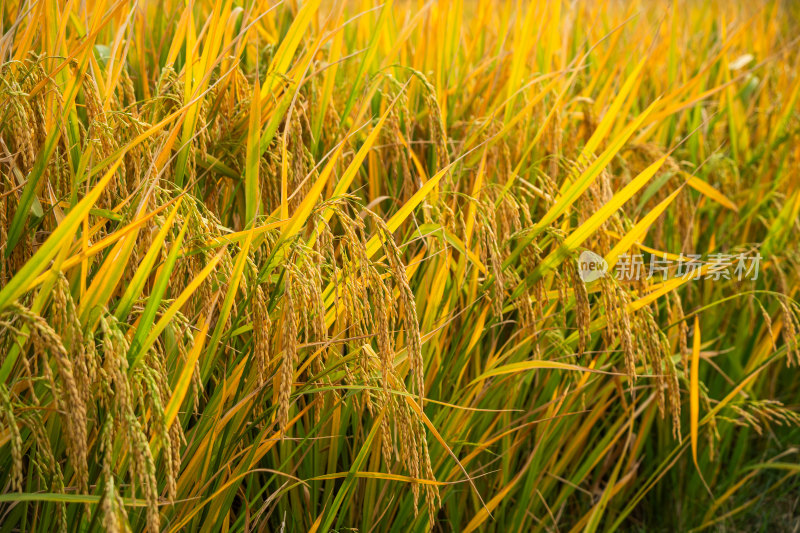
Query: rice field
[(359, 265)]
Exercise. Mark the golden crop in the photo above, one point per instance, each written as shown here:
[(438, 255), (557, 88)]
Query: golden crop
[(317, 266)]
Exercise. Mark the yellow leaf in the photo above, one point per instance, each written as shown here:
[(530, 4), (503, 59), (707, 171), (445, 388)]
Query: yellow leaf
[(707, 190), (694, 390), (639, 230)]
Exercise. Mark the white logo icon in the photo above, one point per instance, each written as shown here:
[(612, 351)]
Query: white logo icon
[(591, 266)]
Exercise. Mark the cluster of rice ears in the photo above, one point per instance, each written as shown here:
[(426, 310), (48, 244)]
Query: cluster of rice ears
[(312, 266)]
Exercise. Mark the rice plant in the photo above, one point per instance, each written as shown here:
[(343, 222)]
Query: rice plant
[(456, 265)]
